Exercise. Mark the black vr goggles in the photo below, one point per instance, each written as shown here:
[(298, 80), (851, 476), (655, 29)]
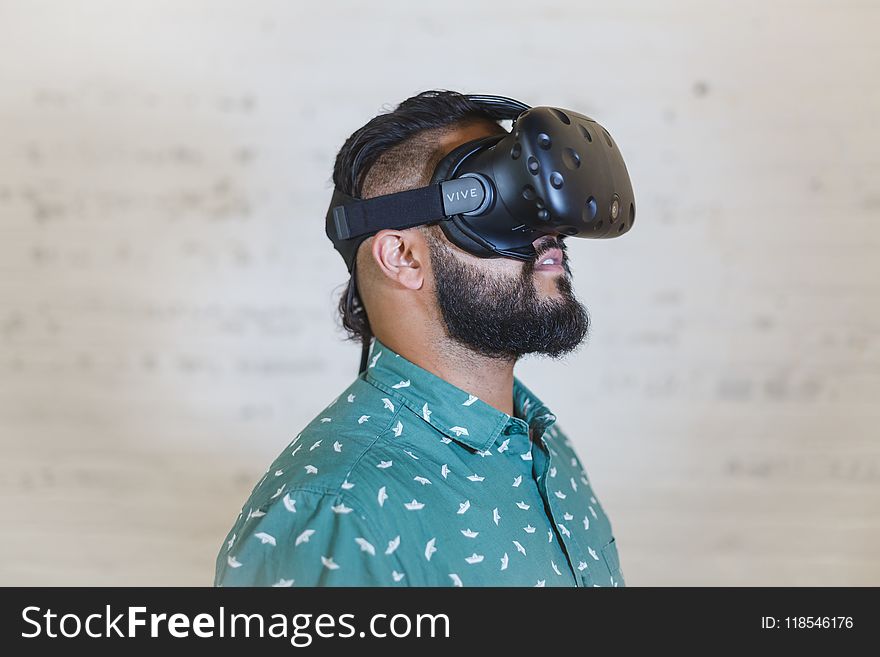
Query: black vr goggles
[(555, 172)]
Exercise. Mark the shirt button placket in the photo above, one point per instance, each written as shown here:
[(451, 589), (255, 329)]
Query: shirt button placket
[(545, 460)]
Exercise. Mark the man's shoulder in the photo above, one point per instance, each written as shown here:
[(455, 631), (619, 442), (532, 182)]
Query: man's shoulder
[(322, 455)]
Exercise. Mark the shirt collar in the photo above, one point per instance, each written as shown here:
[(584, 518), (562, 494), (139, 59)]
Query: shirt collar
[(458, 414)]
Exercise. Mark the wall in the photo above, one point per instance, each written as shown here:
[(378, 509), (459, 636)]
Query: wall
[(167, 293)]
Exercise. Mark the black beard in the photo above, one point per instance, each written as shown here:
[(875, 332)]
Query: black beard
[(504, 318)]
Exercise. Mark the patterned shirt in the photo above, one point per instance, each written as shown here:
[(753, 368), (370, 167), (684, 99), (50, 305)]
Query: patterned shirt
[(407, 480)]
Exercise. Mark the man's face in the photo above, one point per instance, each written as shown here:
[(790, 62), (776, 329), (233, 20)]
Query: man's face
[(502, 307), (506, 308)]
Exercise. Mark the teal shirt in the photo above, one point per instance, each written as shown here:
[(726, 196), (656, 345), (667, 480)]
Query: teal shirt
[(408, 480)]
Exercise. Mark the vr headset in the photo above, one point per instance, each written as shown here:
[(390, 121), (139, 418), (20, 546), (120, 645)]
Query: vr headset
[(555, 172)]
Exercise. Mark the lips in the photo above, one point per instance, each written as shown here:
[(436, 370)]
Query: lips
[(550, 260)]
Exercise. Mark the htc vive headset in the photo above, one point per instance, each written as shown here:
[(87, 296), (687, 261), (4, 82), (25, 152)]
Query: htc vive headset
[(556, 171)]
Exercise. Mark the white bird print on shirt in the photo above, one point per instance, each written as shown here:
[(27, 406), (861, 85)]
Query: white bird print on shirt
[(398, 429), (329, 563), (283, 582), (396, 575), (574, 485), (519, 547), (341, 508), (430, 549), (233, 562), (383, 464), (469, 533), (388, 404), (526, 457), (316, 444), (459, 431), (586, 522), (475, 477), (363, 418), (592, 511), (504, 561), (485, 453), (474, 558), (470, 400), (327, 419), (298, 447), (350, 398), (593, 553), (382, 496), (346, 485), (366, 546), (504, 445), (550, 536), (393, 544), (304, 537), (517, 481), (422, 480), (553, 471), (444, 470), (409, 453), (402, 384), (529, 529), (567, 516), (278, 473), (555, 567), (289, 503), (496, 516), (426, 413), (464, 506), (541, 582), (311, 469), (456, 580), (415, 505), (582, 565), (375, 358), (522, 505), (560, 494), (230, 542), (445, 440), (277, 492), (564, 529), (337, 446)]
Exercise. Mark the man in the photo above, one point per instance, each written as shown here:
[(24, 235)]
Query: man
[(436, 466)]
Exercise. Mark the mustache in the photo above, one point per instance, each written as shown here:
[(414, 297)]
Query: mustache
[(550, 242)]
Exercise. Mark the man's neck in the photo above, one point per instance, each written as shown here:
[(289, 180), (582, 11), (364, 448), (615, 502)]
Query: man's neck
[(490, 379)]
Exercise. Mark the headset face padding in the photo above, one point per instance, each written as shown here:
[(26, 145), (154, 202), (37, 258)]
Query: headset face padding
[(457, 230)]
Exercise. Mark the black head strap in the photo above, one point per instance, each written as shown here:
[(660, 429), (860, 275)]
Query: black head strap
[(352, 218)]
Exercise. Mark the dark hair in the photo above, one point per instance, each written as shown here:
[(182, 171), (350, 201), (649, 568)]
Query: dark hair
[(391, 153)]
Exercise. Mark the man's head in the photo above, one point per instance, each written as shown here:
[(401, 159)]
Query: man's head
[(416, 280)]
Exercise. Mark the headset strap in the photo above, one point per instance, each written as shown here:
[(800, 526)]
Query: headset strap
[(350, 217), (509, 107)]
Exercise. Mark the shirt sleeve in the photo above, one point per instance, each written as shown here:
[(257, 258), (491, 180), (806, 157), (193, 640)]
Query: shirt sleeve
[(308, 538)]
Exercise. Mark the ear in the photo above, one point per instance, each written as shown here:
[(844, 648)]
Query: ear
[(400, 255)]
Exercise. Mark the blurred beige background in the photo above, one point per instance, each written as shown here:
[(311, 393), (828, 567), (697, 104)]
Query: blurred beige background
[(167, 293)]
